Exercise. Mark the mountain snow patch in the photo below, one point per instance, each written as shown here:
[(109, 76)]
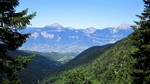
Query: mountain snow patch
[(47, 35), (124, 26), (90, 30), (35, 35), (55, 25), (58, 38)]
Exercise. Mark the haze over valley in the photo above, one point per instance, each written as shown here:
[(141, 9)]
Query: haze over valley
[(74, 42), (56, 38)]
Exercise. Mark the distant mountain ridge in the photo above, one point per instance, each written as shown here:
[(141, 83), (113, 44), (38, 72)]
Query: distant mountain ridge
[(56, 38)]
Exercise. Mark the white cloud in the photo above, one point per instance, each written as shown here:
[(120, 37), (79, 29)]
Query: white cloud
[(47, 35), (35, 35), (58, 30), (76, 31), (58, 38)]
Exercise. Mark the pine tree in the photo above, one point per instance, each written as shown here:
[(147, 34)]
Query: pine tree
[(141, 39), (10, 39)]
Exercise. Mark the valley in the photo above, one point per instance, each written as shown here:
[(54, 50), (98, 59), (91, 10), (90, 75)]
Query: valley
[(106, 64), (74, 52), (58, 49), (41, 65)]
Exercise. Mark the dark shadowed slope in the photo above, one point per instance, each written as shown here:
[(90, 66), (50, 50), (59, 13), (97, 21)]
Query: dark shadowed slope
[(37, 68)]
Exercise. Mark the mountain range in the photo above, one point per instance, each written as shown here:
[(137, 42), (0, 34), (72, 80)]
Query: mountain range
[(56, 38)]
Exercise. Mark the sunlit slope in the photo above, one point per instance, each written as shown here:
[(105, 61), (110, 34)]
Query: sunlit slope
[(86, 56), (112, 67)]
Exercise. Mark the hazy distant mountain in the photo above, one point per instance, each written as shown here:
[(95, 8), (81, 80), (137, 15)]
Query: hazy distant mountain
[(56, 38)]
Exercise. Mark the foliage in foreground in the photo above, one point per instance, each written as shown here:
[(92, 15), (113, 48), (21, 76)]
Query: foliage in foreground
[(10, 39), (141, 37)]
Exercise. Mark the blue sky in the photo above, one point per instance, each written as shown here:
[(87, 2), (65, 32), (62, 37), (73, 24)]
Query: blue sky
[(83, 13)]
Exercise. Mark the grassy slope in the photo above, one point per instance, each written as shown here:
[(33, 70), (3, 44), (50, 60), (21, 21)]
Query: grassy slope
[(112, 67)]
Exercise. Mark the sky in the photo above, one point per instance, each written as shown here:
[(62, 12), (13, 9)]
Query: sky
[(83, 13)]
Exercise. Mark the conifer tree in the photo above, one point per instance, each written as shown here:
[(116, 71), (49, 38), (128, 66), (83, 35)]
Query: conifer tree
[(141, 37), (11, 39)]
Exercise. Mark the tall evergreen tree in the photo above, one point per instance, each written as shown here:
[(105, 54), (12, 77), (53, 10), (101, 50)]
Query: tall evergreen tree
[(141, 72), (10, 39)]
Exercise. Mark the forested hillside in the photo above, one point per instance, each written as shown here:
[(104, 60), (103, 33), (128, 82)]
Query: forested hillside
[(113, 66), (37, 68), (86, 56)]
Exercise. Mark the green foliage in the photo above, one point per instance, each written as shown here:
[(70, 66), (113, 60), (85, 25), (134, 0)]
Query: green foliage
[(37, 69), (87, 56), (82, 59), (113, 66), (11, 39), (141, 73), (75, 76), (13, 65)]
